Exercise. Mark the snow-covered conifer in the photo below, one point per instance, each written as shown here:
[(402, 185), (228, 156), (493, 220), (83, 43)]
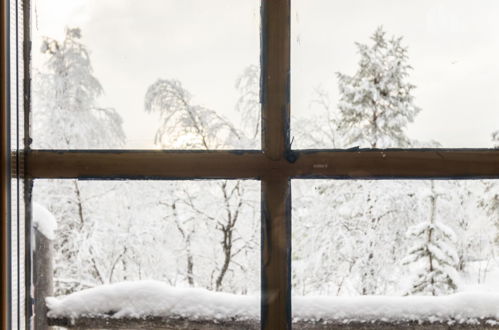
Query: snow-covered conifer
[(376, 103), (434, 255), (375, 106)]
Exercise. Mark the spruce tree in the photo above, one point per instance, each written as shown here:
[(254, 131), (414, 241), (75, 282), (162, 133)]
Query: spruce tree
[(434, 254), (375, 106), (376, 103)]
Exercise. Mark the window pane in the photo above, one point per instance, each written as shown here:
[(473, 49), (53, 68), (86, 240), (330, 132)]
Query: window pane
[(152, 248), (394, 73), (146, 75), (360, 246)]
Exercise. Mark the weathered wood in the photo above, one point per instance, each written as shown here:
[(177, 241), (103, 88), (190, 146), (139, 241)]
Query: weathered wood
[(43, 274), (151, 323), (383, 164), (276, 252), (146, 164), (24, 143), (275, 66), (276, 190), (379, 325), (398, 164), (170, 324)]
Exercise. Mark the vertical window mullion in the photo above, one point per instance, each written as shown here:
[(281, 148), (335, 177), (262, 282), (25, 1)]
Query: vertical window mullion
[(276, 189)]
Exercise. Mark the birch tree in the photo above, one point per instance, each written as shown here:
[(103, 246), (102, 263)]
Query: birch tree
[(67, 116), (189, 126)]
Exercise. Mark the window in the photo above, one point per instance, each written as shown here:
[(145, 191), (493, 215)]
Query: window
[(274, 165)]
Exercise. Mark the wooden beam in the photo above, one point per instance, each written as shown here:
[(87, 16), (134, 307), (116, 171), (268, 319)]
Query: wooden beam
[(276, 252), (24, 23), (407, 325), (275, 66), (146, 164), (5, 168), (362, 164), (89, 323), (151, 322), (276, 189), (398, 164)]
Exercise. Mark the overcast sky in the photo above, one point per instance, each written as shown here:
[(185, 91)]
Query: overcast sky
[(453, 48)]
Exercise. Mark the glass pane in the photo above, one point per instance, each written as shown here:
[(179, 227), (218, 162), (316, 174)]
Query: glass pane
[(146, 75), (382, 250), (152, 248), (394, 73)]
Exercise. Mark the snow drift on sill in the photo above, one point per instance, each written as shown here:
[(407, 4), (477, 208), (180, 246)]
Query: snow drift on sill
[(153, 298)]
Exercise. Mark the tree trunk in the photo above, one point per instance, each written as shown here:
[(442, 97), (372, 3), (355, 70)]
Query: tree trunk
[(433, 201)]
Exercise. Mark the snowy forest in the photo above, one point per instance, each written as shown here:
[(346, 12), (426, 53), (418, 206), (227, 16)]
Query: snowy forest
[(350, 237)]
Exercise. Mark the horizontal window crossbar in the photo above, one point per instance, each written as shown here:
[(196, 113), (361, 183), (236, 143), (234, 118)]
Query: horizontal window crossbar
[(244, 164)]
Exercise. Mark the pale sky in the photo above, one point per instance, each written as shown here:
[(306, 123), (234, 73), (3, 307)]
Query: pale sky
[(453, 48)]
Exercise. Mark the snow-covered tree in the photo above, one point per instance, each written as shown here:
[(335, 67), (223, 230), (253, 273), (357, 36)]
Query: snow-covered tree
[(317, 129), (434, 254), (248, 104), (188, 126), (375, 106), (67, 116), (490, 199), (349, 237), (376, 103), (66, 113), (183, 124), (495, 139)]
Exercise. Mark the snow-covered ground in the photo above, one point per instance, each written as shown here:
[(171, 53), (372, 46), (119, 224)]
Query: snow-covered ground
[(153, 298), (482, 276)]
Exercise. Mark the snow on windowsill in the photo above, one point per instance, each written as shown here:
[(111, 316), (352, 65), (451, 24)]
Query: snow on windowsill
[(156, 299)]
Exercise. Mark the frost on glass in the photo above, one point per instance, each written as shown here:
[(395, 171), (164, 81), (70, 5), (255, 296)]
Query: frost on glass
[(364, 247), (155, 75), (155, 248), (391, 74)]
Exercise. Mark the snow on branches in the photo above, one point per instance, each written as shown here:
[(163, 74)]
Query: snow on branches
[(65, 92), (376, 103), (433, 254), (186, 125)]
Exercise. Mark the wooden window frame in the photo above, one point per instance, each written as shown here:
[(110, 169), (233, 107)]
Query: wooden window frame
[(5, 172), (274, 165)]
